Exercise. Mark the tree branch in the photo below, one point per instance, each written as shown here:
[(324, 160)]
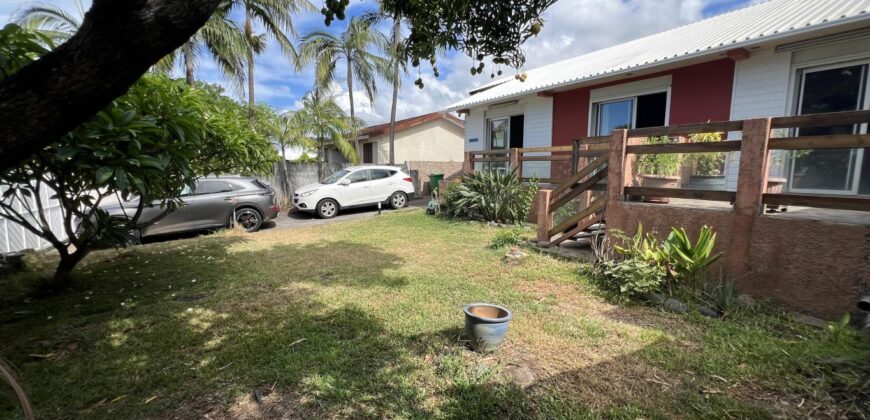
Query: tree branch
[(117, 43)]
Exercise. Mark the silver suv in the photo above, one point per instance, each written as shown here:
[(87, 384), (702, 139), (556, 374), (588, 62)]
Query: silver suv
[(214, 203)]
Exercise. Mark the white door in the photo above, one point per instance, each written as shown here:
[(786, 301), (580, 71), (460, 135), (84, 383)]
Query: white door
[(830, 89), (359, 191)]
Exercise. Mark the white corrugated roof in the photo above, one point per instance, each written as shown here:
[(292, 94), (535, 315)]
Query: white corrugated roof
[(739, 28)]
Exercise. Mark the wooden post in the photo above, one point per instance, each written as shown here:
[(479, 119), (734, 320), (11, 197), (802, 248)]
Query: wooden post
[(752, 175), (515, 163), (618, 167), (545, 219), (468, 163), (575, 156)]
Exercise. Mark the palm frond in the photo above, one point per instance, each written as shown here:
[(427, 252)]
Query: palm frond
[(52, 20)]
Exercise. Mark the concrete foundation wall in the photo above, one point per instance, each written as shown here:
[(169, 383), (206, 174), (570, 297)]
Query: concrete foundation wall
[(811, 266)]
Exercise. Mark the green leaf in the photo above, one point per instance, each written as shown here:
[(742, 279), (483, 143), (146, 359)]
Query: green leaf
[(103, 174)]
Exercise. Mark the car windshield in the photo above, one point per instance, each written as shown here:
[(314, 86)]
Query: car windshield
[(332, 179)]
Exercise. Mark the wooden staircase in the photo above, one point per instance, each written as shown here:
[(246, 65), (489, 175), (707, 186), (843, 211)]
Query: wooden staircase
[(580, 187)]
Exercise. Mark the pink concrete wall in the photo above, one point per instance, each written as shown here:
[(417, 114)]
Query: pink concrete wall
[(812, 266)]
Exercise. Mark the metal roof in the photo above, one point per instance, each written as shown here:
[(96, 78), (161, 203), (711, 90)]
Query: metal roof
[(770, 20)]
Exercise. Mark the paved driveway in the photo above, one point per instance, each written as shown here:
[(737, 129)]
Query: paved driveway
[(298, 219)]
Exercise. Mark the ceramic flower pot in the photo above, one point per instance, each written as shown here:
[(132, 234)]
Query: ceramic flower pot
[(486, 326)]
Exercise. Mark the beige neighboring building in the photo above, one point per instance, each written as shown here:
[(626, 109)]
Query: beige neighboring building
[(435, 137)]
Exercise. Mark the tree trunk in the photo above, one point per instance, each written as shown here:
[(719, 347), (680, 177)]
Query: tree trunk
[(188, 63), (320, 157), (352, 114), (117, 43), (285, 179), (395, 70), (249, 35), (62, 274)]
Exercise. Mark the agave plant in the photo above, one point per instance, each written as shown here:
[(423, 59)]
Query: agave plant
[(494, 196)]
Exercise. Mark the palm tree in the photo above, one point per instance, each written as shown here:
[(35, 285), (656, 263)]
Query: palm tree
[(329, 125), (397, 66), (51, 20), (223, 39), (290, 131), (275, 16), (353, 46)]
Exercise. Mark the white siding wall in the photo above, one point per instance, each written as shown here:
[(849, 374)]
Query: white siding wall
[(761, 89), (537, 128), (474, 129), (13, 237)]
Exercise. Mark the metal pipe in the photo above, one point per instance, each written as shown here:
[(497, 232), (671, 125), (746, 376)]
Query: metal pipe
[(864, 304)]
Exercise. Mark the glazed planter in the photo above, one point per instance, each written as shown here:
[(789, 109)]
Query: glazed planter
[(658, 181), (486, 326), (707, 182)]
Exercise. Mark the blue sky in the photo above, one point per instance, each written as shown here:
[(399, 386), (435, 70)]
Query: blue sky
[(572, 27)]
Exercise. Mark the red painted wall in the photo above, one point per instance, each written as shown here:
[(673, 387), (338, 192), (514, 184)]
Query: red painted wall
[(699, 93)]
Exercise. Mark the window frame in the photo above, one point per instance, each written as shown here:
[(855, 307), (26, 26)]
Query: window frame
[(799, 72), (595, 102), (366, 171)]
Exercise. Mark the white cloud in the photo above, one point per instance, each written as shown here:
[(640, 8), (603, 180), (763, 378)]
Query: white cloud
[(572, 27)]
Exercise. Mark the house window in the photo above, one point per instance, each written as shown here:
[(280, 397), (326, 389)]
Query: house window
[(633, 112), (831, 171), (503, 133)]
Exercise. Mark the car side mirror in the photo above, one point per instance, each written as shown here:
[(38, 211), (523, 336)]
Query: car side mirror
[(344, 182)]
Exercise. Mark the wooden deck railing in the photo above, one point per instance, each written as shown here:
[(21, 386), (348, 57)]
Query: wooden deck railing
[(755, 146), (570, 157), (750, 197)]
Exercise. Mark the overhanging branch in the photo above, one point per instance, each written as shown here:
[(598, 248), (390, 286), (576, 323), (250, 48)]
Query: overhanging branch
[(117, 43)]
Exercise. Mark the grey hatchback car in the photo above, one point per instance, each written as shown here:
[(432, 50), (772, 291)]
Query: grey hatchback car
[(213, 203)]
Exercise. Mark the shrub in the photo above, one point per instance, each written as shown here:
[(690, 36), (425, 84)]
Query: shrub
[(493, 196), (506, 238), (630, 278), (707, 164), (664, 164)]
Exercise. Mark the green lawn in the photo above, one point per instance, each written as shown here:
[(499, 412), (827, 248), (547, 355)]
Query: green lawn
[(362, 319)]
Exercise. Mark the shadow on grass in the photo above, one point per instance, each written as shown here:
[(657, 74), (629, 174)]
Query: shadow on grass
[(205, 324)]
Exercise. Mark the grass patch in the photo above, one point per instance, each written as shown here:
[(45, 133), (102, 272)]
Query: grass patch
[(362, 319)]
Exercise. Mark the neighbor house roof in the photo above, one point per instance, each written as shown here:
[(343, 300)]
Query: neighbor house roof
[(381, 129), (751, 25)]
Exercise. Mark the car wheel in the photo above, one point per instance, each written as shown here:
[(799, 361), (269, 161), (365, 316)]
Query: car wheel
[(249, 219), (327, 208), (398, 200)]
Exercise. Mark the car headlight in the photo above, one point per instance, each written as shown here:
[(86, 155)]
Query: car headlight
[(307, 193)]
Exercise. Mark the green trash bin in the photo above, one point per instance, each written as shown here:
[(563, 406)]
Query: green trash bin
[(434, 181)]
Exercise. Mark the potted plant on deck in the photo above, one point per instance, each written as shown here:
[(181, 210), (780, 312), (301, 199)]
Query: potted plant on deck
[(708, 169), (659, 170)]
